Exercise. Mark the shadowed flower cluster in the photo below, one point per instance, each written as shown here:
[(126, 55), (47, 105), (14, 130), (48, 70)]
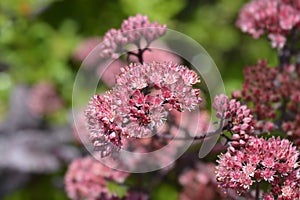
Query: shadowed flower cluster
[(275, 17), (200, 183), (44, 99), (238, 119), (289, 88), (87, 178), (273, 97), (132, 31), (139, 103), (273, 161), (259, 87)]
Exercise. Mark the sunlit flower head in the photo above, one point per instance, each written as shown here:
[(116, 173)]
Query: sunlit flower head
[(139, 103)]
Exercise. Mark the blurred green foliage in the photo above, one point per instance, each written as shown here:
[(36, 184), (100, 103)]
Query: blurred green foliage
[(163, 190), (38, 38), (115, 188)]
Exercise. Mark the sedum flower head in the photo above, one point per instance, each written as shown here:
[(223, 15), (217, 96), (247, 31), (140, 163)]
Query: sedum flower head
[(132, 31), (87, 178), (274, 17), (139, 103), (266, 90), (238, 119), (200, 183), (44, 99), (112, 43), (149, 31), (259, 87), (272, 161)]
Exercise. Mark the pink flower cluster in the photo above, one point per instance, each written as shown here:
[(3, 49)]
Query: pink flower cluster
[(273, 96), (238, 119), (44, 99), (85, 47), (149, 31), (139, 103), (273, 161), (200, 183), (260, 88), (87, 178), (292, 128), (132, 31), (289, 88), (274, 17), (289, 189)]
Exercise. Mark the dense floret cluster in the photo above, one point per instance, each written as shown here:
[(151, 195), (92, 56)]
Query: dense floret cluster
[(139, 103), (238, 119), (87, 178), (273, 161), (132, 31), (277, 18)]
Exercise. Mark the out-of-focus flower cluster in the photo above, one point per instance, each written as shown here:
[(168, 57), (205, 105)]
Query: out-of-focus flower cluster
[(273, 161), (139, 103), (29, 144), (43, 150), (259, 88), (238, 119), (275, 17), (289, 88), (87, 178), (85, 47), (273, 97), (200, 183), (132, 31), (44, 99)]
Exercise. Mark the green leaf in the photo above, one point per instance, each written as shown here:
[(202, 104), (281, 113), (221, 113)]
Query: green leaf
[(119, 190)]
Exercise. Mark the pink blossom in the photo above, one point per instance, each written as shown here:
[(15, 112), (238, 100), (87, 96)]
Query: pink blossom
[(87, 178), (44, 99), (277, 40), (105, 131), (85, 47), (132, 31), (270, 160), (238, 119), (289, 88), (260, 89), (199, 183), (149, 31), (112, 44), (266, 90), (274, 17), (139, 103)]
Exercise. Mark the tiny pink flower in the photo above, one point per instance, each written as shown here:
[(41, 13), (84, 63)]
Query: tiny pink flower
[(268, 162)]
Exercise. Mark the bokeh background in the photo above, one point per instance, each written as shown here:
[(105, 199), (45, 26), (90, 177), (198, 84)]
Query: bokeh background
[(42, 44)]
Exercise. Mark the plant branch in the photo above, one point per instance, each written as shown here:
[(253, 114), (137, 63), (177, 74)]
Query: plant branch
[(200, 137), (140, 52), (257, 191)]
